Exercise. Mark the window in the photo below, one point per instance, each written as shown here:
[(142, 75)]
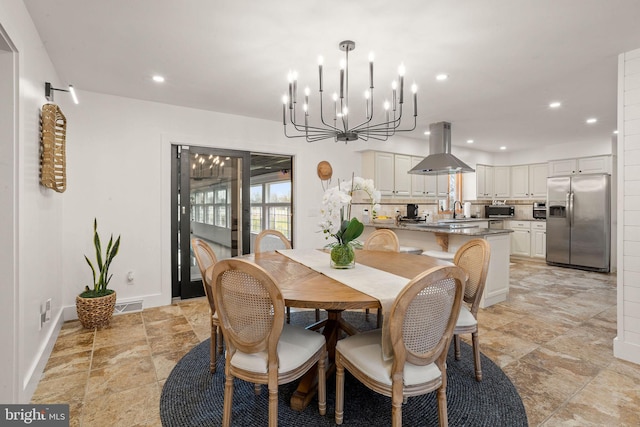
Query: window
[(454, 193), (209, 206), (271, 206)]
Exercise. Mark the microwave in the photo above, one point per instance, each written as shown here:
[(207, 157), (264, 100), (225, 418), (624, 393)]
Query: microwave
[(498, 211), (539, 210)]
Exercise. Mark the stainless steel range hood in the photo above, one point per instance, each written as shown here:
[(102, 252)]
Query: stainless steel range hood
[(440, 160)]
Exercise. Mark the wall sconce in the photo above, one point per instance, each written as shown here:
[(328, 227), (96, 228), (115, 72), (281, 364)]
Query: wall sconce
[(48, 92)]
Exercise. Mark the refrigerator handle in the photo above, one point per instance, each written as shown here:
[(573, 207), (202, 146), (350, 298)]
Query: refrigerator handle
[(571, 208)]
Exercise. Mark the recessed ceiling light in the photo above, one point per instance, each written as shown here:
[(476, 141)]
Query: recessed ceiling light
[(554, 104), (615, 132), (442, 77), (469, 141), (592, 120), (158, 79), (426, 132), (503, 148)]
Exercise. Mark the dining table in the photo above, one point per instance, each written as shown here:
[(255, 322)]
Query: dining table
[(304, 287)]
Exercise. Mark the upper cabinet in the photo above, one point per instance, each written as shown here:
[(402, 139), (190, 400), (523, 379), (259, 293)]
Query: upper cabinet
[(492, 181), (501, 181), (389, 172), (422, 185), (484, 181), (529, 180), (583, 165)]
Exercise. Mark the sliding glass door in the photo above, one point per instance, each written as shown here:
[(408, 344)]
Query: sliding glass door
[(209, 205), (226, 198)]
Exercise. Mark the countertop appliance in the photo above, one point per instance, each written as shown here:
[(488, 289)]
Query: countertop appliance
[(579, 221), (539, 210), (498, 211), (412, 210)]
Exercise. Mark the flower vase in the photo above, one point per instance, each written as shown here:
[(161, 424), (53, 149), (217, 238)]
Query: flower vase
[(343, 256)]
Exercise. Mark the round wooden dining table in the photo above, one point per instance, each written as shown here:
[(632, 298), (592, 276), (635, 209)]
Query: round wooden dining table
[(303, 287)]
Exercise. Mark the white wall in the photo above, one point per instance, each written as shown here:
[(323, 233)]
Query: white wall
[(627, 343), (37, 213)]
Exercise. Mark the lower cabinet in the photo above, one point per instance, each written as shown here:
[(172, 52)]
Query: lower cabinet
[(520, 238), (529, 238), (538, 239)]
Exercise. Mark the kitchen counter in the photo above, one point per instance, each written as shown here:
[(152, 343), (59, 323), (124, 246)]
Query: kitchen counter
[(450, 239), (433, 228)]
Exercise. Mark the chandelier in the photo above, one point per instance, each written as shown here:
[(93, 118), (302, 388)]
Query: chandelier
[(336, 124)]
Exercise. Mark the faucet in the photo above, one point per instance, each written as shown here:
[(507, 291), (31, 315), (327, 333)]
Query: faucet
[(454, 207)]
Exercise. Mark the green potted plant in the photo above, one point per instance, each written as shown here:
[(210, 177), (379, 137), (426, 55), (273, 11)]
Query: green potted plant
[(95, 305)]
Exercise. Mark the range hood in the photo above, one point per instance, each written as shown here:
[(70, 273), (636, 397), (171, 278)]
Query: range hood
[(440, 160)]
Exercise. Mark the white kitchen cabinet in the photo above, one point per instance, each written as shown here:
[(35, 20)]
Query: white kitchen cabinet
[(597, 164), (389, 172), (501, 181), (422, 185), (520, 181), (484, 182), (538, 174), (520, 238), (402, 180), (529, 181), (539, 239), (582, 165)]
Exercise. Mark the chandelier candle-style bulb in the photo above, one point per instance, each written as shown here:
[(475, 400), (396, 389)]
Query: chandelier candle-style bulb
[(371, 70), (343, 65), (320, 62), (414, 89), (401, 72), (377, 125)]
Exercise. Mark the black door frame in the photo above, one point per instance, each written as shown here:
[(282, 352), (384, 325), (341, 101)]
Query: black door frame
[(181, 285)]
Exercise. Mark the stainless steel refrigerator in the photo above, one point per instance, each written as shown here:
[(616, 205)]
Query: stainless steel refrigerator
[(579, 221)]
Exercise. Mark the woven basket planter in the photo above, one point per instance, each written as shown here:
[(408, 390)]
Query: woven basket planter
[(95, 312)]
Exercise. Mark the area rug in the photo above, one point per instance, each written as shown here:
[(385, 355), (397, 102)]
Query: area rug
[(192, 396)]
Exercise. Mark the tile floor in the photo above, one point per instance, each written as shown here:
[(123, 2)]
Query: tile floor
[(553, 337)]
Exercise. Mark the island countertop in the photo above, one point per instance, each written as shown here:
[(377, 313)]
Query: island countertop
[(431, 228)]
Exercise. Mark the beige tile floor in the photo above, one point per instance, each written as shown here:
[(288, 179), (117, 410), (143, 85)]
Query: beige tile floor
[(553, 337)]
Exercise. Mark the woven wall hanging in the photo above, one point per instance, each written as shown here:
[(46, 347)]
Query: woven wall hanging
[(53, 128)]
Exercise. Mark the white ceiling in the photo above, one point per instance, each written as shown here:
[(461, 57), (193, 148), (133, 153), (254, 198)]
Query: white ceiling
[(507, 59)]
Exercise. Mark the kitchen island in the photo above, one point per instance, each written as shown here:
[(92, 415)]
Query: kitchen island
[(449, 236)]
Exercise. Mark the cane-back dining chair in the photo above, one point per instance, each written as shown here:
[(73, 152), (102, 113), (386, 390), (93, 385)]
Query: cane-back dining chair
[(420, 328), (473, 257), (205, 257), (272, 240), (381, 240), (261, 348)]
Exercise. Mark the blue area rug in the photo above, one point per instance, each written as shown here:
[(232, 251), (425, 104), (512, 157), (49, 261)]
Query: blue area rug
[(193, 397)]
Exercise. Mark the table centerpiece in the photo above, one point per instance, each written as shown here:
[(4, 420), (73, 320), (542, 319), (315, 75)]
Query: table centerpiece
[(338, 223)]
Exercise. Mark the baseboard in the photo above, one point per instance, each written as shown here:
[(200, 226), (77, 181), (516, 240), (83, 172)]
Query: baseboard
[(34, 375), (142, 302), (626, 351)]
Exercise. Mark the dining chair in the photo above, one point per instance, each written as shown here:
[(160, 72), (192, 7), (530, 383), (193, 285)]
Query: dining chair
[(261, 348), (420, 328), (381, 240), (205, 257), (473, 257), (272, 240)]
